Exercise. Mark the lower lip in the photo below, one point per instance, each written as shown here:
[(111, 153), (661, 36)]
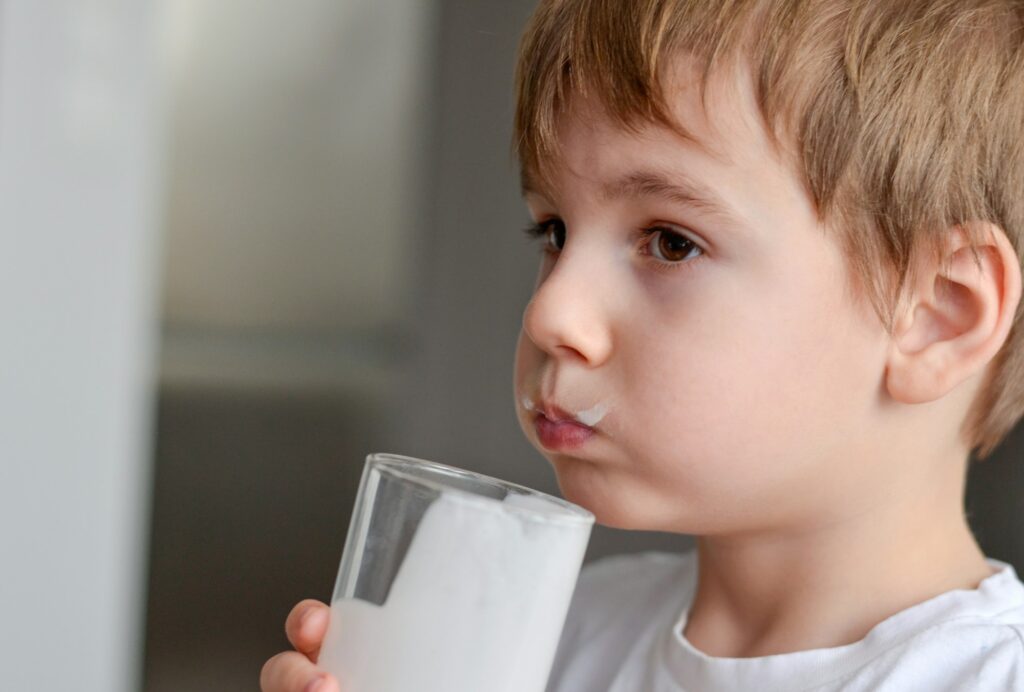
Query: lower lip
[(561, 434)]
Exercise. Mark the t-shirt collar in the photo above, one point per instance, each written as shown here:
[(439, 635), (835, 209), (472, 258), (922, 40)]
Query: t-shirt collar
[(694, 670)]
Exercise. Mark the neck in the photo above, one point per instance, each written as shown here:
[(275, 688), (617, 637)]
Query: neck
[(820, 586)]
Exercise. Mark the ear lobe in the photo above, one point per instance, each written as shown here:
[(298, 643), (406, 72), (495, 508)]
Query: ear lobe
[(955, 318)]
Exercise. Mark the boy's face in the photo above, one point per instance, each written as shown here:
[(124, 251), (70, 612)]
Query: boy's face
[(740, 379)]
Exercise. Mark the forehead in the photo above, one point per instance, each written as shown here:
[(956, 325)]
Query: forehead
[(721, 143), (718, 131)]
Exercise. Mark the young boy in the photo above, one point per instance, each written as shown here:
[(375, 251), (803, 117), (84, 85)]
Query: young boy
[(781, 276)]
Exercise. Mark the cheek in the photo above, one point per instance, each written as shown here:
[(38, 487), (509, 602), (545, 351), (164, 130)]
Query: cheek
[(740, 390)]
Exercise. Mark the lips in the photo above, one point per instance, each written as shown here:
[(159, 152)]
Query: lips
[(562, 432)]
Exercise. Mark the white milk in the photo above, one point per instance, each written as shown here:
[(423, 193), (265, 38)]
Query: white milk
[(477, 605)]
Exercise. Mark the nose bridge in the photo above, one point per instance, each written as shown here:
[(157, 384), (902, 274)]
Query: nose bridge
[(567, 313)]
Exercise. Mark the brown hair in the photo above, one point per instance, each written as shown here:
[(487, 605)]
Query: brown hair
[(907, 119)]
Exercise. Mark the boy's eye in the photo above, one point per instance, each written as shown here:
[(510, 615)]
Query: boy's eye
[(661, 243), (553, 232), (669, 246)]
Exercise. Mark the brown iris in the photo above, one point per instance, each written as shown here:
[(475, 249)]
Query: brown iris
[(672, 247)]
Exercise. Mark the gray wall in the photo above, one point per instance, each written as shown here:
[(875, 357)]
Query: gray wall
[(995, 501), (257, 470)]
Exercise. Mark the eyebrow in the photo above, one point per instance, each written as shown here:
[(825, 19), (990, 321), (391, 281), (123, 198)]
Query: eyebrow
[(677, 187)]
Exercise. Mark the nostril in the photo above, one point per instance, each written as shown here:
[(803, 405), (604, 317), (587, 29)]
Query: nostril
[(571, 352)]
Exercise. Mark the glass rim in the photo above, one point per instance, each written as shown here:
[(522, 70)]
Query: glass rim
[(398, 465)]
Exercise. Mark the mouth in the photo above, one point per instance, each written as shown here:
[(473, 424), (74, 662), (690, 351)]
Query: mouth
[(561, 434), (558, 429)]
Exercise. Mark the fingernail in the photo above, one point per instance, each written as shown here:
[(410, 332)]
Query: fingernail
[(316, 684)]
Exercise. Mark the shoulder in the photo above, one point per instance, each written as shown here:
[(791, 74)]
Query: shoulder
[(967, 640), (959, 656), (617, 600)]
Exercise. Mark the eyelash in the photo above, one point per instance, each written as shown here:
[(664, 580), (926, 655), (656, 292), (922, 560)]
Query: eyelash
[(537, 231)]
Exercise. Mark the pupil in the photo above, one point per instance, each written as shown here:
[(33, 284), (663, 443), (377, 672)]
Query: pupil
[(558, 235), (673, 246)]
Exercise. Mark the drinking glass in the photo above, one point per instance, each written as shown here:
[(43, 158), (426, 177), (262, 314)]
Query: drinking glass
[(451, 581)]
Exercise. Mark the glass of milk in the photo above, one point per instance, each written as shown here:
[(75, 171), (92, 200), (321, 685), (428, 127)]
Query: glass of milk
[(451, 581)]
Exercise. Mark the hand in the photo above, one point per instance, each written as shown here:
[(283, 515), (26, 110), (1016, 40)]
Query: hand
[(296, 671)]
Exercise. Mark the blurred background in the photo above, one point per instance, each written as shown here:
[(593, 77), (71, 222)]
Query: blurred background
[(247, 243)]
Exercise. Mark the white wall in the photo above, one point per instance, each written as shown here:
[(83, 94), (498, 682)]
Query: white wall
[(79, 155)]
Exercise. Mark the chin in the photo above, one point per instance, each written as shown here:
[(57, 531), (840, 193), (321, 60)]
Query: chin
[(583, 483)]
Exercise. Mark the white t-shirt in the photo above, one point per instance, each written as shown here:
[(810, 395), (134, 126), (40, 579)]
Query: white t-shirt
[(624, 630)]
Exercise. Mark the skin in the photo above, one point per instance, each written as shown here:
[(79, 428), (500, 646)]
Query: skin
[(296, 671), (754, 398)]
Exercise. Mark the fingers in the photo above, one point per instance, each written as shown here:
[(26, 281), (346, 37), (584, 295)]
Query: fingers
[(291, 671), (306, 626), (294, 671)]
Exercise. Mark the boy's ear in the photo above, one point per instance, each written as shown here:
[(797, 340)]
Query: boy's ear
[(955, 317)]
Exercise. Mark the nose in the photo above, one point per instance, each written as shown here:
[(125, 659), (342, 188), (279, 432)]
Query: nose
[(566, 318)]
